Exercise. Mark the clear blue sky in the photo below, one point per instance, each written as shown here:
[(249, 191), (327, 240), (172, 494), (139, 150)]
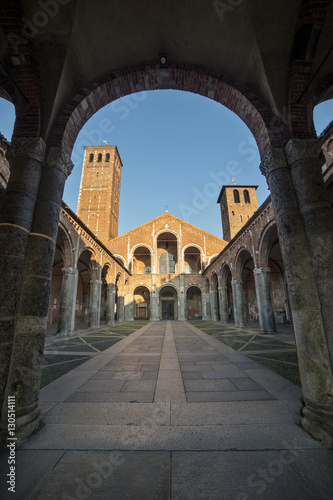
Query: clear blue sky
[(177, 149)]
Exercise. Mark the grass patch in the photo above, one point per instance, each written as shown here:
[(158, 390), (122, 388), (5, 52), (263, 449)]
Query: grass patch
[(101, 346), (51, 373), (72, 347), (260, 346), (290, 372)]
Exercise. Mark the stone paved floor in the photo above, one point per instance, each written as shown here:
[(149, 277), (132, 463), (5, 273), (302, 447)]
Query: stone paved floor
[(170, 412)]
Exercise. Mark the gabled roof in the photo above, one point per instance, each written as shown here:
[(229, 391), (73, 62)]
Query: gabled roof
[(164, 216)]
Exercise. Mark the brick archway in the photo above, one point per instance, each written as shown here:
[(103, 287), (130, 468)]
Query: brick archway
[(179, 76)]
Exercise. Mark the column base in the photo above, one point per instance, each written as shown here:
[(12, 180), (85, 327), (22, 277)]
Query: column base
[(65, 334), (25, 426), (317, 420), (267, 332)]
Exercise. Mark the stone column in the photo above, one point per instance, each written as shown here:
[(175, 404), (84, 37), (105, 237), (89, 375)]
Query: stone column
[(25, 156), (182, 297), (95, 303), (312, 348), (110, 304), (238, 299), (84, 306), (25, 365), (224, 308), (213, 303), (66, 321), (129, 316), (121, 309), (154, 305), (264, 298), (305, 159), (206, 309)]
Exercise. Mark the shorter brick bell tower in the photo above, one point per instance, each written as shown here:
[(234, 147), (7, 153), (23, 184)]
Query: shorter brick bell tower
[(238, 204)]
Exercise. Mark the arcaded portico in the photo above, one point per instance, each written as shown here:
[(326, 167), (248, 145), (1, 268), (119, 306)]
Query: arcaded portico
[(269, 63)]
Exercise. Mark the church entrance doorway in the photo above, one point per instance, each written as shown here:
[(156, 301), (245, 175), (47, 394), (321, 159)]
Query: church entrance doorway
[(168, 303), (168, 310)]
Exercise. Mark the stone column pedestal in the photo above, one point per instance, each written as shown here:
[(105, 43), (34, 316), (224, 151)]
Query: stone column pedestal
[(264, 298), (238, 298), (66, 321)]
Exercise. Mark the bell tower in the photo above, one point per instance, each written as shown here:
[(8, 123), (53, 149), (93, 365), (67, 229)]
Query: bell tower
[(98, 205), (238, 204)]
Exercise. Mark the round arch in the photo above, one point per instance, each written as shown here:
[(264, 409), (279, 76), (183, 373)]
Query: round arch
[(120, 259), (167, 245), (140, 259), (237, 97), (193, 257), (141, 301), (265, 243)]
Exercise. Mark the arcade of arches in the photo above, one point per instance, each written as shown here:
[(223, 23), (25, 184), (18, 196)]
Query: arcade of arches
[(267, 62)]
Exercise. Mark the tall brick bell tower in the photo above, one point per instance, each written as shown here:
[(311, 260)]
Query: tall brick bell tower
[(98, 205), (238, 204)]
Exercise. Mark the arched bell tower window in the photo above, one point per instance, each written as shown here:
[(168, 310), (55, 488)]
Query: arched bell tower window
[(107, 157), (99, 157), (246, 196), (91, 157), (236, 196)]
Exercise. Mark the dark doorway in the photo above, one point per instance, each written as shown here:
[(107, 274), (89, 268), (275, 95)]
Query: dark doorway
[(168, 310)]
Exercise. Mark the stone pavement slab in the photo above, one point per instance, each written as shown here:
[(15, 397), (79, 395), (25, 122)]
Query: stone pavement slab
[(170, 412)]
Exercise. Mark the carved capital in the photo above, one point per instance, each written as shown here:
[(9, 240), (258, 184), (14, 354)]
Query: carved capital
[(274, 160), (261, 270), (58, 158), (300, 149), (236, 282), (28, 147)]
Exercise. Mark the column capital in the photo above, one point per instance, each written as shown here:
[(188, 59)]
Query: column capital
[(58, 158), (96, 282), (298, 149), (236, 281), (261, 270), (274, 160), (29, 147), (70, 270)]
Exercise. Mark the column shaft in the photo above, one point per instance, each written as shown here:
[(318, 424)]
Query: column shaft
[(264, 299), (68, 301), (224, 306), (238, 298), (110, 304), (25, 156), (25, 365), (312, 349), (120, 309), (182, 298), (305, 159), (95, 303)]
